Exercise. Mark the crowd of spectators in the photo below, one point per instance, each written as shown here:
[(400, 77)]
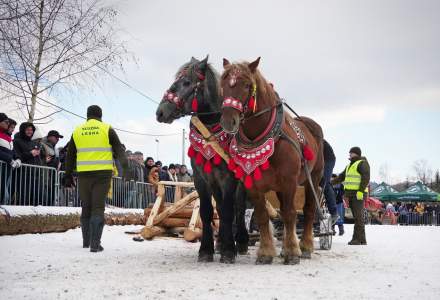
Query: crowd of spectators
[(36, 185)]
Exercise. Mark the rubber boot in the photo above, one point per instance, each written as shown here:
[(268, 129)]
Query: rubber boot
[(85, 228), (341, 229), (96, 227)]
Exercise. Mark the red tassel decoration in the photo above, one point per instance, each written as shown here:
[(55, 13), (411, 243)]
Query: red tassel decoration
[(217, 159), (239, 173), (208, 167), (199, 159), (231, 165), (308, 153), (248, 182), (194, 104), (265, 165), (191, 152), (257, 174), (252, 104)]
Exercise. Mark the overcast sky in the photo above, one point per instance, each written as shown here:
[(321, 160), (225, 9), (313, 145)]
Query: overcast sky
[(367, 71)]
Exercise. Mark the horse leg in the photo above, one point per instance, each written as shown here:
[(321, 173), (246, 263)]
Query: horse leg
[(226, 209), (291, 249), (306, 243), (266, 251), (206, 251), (242, 235)]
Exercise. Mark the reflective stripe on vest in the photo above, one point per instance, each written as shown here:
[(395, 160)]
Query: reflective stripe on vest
[(353, 177), (94, 152)]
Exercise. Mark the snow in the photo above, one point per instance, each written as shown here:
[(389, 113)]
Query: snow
[(13, 210), (398, 263)]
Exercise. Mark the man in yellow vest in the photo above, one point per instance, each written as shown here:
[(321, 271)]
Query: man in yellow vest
[(356, 178), (90, 152)]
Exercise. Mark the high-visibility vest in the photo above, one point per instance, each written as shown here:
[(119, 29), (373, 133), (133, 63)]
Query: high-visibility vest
[(94, 152), (353, 177)]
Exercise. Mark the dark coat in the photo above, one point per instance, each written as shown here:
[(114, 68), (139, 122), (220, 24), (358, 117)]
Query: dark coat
[(6, 150), (23, 145)]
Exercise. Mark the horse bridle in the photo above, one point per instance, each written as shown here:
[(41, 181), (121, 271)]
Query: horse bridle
[(180, 101)]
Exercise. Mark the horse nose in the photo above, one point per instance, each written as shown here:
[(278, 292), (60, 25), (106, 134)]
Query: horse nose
[(159, 115)]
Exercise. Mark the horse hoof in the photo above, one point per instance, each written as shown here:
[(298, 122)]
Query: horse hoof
[(264, 260), (242, 249), (205, 257), (227, 258), (306, 254), (291, 260)]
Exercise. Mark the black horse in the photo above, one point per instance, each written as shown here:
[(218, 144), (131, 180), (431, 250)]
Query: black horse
[(195, 91)]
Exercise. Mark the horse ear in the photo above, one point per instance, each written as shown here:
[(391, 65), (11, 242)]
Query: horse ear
[(203, 64), (193, 60), (225, 62), (253, 65)]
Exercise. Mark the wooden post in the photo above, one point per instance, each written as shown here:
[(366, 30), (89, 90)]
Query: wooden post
[(192, 233), (157, 204)]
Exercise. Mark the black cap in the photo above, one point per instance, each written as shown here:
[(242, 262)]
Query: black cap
[(171, 166), (94, 111), (3, 117), (158, 163), (149, 158), (55, 134), (356, 150)]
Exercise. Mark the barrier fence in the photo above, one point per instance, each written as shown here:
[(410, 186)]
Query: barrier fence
[(39, 185)]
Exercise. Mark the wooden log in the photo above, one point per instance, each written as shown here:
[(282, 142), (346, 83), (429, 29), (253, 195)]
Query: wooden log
[(174, 208), (173, 183), (192, 233), (174, 222), (149, 232), (157, 205), (184, 213)]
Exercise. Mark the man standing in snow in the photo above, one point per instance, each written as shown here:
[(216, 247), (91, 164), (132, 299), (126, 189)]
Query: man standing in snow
[(91, 150), (356, 178)]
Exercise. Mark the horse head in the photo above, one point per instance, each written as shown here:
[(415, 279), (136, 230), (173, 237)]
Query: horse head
[(195, 89), (239, 90)]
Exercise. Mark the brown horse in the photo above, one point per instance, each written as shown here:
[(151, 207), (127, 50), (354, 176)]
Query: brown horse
[(253, 111)]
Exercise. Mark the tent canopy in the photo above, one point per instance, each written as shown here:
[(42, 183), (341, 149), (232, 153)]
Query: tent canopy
[(419, 193)]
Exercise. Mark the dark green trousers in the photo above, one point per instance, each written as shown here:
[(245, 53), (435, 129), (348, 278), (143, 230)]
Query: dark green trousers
[(357, 208), (92, 193)]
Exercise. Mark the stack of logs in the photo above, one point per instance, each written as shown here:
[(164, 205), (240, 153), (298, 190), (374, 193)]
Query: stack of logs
[(181, 217)]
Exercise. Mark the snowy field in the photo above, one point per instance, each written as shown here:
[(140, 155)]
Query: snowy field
[(398, 263)]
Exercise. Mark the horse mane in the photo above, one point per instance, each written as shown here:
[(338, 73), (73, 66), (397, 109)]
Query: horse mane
[(264, 89), (211, 83)]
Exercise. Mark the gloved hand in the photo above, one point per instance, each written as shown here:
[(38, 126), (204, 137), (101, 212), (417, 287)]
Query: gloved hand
[(16, 163), (69, 181), (360, 195)]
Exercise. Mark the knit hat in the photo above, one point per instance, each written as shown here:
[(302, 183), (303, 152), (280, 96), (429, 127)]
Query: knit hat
[(3, 117), (12, 122), (356, 150), (149, 158), (171, 166), (94, 111)]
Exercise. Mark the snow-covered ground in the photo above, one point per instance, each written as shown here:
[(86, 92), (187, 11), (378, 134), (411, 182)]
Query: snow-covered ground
[(398, 263)]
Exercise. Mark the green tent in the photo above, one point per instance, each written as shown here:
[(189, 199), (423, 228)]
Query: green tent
[(385, 192), (418, 193)]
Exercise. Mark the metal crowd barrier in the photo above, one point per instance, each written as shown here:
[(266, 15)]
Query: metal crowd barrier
[(414, 218), (39, 185)]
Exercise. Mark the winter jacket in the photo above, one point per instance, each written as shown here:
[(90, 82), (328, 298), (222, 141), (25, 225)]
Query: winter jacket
[(363, 169), (6, 149), (173, 177), (50, 150), (23, 145)]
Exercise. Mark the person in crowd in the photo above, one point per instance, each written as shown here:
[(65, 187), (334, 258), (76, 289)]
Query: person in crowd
[(149, 164), (403, 214), (52, 156), (29, 151), (11, 127), (356, 178), (163, 172), (91, 150), (390, 209), (138, 156), (7, 158), (183, 175), (339, 194), (172, 174), (329, 194), (420, 209), (52, 159)]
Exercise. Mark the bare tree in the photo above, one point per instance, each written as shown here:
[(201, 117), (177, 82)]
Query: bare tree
[(423, 171), (49, 45), (384, 173)]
